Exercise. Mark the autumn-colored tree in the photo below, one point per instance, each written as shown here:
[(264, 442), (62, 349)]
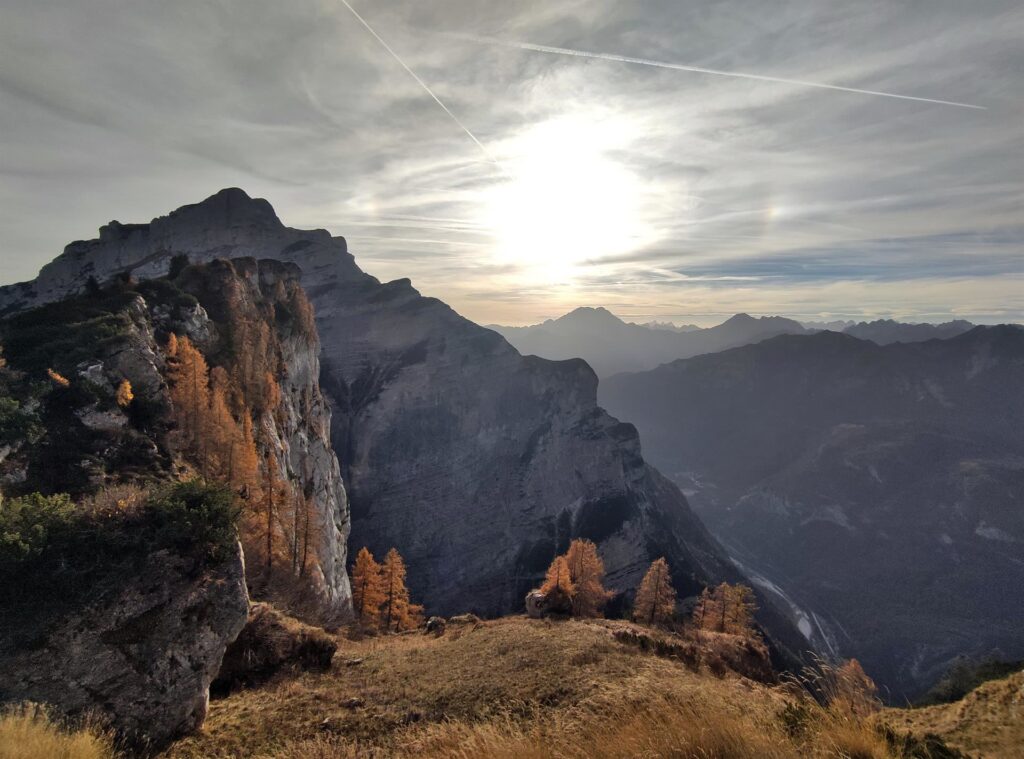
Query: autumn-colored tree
[(189, 378), (59, 379), (310, 527), (586, 573), (124, 394), (367, 589), (728, 609), (396, 612), (740, 615), (244, 474), (558, 588), (301, 530), (655, 598), (275, 495)]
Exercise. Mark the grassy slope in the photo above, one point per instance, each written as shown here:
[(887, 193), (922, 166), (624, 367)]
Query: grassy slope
[(515, 687), (989, 720)]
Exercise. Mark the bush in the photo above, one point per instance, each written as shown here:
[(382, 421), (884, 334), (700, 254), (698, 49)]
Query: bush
[(193, 517), (28, 525)]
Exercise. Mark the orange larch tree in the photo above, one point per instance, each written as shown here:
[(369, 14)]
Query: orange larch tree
[(586, 573), (396, 612), (728, 609), (656, 598), (189, 378), (367, 589), (276, 495), (558, 588)]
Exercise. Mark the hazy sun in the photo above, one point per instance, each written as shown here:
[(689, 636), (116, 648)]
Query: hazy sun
[(566, 198)]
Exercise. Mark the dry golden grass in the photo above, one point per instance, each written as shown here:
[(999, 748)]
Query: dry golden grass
[(27, 732), (522, 688), (988, 721)]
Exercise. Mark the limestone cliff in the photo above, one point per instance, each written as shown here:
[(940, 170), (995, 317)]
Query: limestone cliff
[(83, 439)]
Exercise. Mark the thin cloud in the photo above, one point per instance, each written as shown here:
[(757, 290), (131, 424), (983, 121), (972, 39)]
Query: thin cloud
[(701, 70), (422, 84)]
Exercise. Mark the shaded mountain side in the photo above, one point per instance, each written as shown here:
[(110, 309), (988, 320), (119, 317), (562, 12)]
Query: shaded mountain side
[(879, 487), (611, 345), (476, 463)]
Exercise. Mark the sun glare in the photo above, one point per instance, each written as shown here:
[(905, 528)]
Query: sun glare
[(566, 199)]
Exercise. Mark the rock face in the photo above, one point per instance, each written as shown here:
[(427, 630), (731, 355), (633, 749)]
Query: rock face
[(879, 487), (477, 463), (143, 655), (247, 292)]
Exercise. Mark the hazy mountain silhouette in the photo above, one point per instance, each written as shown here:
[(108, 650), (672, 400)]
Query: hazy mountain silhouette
[(611, 345), (885, 331)]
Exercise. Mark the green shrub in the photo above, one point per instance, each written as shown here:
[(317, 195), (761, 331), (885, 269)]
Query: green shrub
[(56, 555), (194, 516)]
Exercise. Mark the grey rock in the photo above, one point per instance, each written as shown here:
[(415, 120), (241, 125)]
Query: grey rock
[(142, 656)]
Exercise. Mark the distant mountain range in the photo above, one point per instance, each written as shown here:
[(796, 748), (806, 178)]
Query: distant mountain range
[(611, 345), (885, 331), (878, 488)]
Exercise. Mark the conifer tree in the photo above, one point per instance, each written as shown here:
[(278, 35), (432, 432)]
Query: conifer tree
[(367, 589), (397, 613), (275, 494), (246, 463), (558, 588), (740, 615), (655, 598), (728, 609), (190, 393), (586, 573)]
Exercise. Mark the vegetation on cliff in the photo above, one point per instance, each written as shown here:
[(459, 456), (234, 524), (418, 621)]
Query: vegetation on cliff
[(57, 555)]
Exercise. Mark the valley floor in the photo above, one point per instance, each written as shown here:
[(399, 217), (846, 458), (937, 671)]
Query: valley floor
[(522, 688)]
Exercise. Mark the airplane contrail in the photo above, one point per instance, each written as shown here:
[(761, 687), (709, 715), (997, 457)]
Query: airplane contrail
[(422, 84), (702, 70)]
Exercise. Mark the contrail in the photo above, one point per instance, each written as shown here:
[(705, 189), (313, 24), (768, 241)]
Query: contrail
[(422, 84), (701, 70)]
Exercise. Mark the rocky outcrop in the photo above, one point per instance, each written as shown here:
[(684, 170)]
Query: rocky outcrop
[(245, 315), (269, 644), (143, 655), (477, 463)]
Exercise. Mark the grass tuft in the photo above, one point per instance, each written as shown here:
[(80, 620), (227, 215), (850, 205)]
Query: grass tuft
[(28, 732)]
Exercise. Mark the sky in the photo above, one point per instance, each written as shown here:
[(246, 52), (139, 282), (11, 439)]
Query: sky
[(519, 159)]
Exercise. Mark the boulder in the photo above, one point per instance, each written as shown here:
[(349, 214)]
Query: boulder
[(535, 604), (436, 625), (141, 657), (272, 642)]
